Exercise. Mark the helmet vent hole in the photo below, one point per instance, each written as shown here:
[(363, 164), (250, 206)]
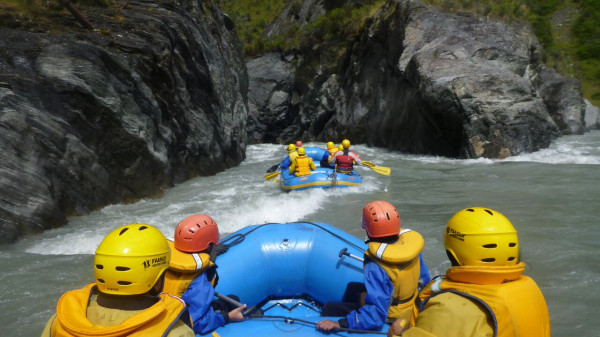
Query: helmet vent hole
[(512, 244), (388, 215), (488, 260), (118, 268), (123, 231), (123, 283), (470, 210), (489, 212), (490, 245), (143, 227), (100, 280), (99, 266), (512, 258)]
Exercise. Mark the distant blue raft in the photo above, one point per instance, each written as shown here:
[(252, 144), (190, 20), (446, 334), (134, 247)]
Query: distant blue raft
[(322, 177), (288, 271)]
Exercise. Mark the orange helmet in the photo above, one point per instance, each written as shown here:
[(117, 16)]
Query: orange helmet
[(195, 233), (299, 143), (380, 219)]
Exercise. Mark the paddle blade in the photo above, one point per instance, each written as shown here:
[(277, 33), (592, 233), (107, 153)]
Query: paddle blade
[(382, 170), (368, 163), (272, 175)]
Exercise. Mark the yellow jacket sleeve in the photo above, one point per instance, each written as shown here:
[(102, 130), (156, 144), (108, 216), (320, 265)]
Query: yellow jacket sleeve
[(451, 315), (312, 165), (292, 168)]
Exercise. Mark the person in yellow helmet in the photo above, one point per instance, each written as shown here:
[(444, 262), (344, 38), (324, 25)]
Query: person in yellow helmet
[(484, 293), (327, 155), (192, 274), (302, 165), (344, 160), (126, 299), (292, 153)]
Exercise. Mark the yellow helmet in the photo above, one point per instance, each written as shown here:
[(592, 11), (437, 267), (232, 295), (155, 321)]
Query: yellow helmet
[(130, 260), (301, 151), (346, 143), (330, 145), (481, 237), (291, 147), (341, 147)]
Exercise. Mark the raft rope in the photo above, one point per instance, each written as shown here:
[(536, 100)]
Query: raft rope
[(236, 239), (292, 320)]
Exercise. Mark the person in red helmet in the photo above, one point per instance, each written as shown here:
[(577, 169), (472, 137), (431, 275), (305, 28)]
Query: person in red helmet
[(298, 143), (192, 274), (392, 271)]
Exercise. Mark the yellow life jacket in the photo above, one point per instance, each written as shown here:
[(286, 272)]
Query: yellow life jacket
[(183, 269), (293, 155), (71, 318), (303, 166), (400, 261), (514, 301)]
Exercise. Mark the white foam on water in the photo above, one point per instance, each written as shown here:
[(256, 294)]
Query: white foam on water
[(565, 150)]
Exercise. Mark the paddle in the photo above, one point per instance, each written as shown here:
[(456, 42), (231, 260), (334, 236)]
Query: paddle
[(273, 168), (345, 252), (272, 175), (236, 303), (381, 170), (368, 163), (378, 169)]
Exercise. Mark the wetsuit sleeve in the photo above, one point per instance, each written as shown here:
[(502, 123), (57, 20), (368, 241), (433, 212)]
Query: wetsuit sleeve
[(356, 158), (373, 314), (424, 277), (285, 163), (332, 161), (198, 298)]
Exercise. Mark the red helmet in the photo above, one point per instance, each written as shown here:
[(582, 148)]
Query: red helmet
[(380, 219), (299, 143), (195, 233)]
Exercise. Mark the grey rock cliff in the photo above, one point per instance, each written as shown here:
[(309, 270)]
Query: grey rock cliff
[(422, 81), (90, 119)]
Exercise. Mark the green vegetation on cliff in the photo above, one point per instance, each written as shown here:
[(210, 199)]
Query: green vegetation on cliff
[(569, 30)]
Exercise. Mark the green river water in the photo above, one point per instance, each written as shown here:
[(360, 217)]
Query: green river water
[(552, 197)]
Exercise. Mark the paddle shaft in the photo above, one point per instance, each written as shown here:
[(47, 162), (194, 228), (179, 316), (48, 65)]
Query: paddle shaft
[(291, 320), (236, 303), (345, 252)]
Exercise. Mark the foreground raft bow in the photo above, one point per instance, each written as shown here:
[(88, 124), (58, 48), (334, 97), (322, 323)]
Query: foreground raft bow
[(285, 273)]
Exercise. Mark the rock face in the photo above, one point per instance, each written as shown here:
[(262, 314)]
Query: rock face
[(592, 116), (422, 81), (89, 119)]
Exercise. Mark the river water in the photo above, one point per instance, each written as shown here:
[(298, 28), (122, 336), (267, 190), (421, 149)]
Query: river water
[(552, 197)]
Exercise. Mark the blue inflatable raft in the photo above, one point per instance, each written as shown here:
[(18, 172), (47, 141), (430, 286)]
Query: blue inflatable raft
[(288, 271), (322, 177)]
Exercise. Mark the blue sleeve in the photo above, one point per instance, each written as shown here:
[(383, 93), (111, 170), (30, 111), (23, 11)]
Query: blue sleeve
[(373, 315), (425, 277), (325, 156), (198, 297), (285, 163)]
